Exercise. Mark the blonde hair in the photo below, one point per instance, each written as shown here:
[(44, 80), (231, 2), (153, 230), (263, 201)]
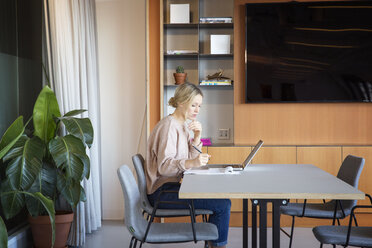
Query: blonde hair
[(184, 94)]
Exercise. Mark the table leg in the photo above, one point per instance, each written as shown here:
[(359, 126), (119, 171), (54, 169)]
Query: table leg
[(276, 203), (263, 223), (254, 225), (276, 222), (245, 223)]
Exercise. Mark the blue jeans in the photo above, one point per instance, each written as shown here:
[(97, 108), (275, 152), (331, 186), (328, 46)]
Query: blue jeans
[(220, 208)]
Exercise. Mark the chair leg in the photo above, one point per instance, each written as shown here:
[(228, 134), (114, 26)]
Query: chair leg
[(334, 246), (131, 242), (338, 222), (135, 243), (292, 229), (141, 245), (355, 220), (321, 245)]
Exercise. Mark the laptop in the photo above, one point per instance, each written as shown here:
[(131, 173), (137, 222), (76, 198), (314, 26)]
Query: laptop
[(225, 168), (240, 167)]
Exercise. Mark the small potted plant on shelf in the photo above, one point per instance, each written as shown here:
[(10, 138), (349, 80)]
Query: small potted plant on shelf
[(180, 75), (42, 166)]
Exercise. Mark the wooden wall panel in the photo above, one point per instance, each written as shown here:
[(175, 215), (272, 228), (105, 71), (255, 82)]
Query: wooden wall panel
[(275, 155), (153, 63), (223, 155), (292, 123), (365, 181), (204, 149), (326, 158)]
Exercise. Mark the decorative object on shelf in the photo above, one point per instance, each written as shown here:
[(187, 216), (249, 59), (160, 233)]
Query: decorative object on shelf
[(215, 19), (220, 44), (180, 75), (45, 165), (217, 79), (218, 75), (179, 52), (180, 13)]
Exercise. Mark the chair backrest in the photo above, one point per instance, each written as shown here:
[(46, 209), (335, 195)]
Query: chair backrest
[(134, 220), (351, 169), (349, 172), (139, 162)]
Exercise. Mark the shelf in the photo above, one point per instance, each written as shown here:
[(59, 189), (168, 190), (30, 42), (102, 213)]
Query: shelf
[(216, 55), (180, 25), (195, 55), (205, 86), (216, 25), (201, 25), (195, 37), (181, 56)]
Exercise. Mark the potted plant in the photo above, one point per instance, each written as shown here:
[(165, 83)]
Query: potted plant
[(180, 75), (45, 164)]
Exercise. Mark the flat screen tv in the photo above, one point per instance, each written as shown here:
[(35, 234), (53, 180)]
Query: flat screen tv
[(309, 52)]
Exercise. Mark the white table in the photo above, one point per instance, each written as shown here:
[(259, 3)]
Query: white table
[(269, 183)]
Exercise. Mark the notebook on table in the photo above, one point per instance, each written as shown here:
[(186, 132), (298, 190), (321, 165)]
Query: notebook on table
[(213, 169)]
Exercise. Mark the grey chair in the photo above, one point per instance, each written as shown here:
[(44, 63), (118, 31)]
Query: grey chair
[(349, 172), (149, 232), (345, 235), (138, 163)]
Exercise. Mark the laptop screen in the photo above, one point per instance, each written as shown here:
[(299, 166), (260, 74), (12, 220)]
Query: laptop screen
[(253, 153)]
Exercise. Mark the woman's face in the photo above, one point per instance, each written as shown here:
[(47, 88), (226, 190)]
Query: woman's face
[(194, 107)]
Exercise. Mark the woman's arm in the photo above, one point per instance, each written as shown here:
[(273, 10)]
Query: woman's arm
[(168, 148)]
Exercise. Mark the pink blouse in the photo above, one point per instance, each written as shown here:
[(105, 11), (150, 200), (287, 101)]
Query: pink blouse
[(168, 147)]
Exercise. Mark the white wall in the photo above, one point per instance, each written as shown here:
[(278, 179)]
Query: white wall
[(122, 67)]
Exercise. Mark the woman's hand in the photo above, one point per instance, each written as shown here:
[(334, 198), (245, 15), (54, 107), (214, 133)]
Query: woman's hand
[(196, 127), (200, 160), (203, 158)]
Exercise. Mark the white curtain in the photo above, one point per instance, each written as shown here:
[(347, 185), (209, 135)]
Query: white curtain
[(72, 65)]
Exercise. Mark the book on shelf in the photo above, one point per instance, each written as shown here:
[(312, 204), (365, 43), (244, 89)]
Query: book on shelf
[(178, 52), (216, 82), (215, 19)]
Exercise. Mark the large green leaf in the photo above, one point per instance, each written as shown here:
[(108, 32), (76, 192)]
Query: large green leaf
[(45, 109), (3, 234), (83, 197), (69, 189), (81, 128), (75, 112), (66, 152), (86, 161), (11, 135), (11, 200), (25, 162), (46, 183), (49, 207), (47, 204)]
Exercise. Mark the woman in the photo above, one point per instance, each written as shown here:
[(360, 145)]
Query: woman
[(170, 152)]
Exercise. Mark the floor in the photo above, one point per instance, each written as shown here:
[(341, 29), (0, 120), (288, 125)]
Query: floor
[(114, 234)]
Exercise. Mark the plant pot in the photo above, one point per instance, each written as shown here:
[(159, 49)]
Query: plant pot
[(180, 77), (42, 230)]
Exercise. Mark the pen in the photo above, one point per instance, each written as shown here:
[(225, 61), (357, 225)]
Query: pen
[(197, 149)]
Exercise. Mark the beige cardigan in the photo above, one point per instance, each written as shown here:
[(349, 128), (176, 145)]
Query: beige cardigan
[(168, 147)]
